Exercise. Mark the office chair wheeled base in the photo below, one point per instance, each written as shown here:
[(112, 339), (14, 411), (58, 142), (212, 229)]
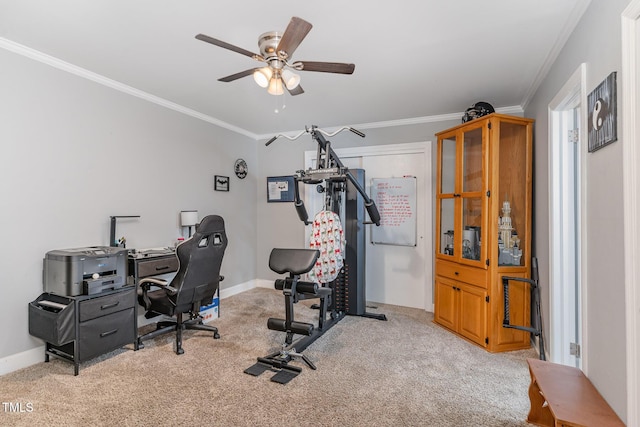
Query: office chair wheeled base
[(194, 322)]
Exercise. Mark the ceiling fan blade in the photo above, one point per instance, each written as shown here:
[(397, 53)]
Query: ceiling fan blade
[(327, 67), (237, 76), (231, 47), (296, 31), (296, 90)]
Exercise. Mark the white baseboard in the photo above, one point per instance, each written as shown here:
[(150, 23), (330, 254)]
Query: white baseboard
[(21, 360), (237, 289), (262, 283)]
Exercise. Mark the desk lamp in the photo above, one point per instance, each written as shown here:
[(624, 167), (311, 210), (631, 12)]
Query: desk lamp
[(188, 219)]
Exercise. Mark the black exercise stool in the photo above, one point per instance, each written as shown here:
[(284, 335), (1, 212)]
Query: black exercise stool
[(295, 262)]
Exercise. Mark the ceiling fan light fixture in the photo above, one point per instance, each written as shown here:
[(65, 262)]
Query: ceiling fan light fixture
[(262, 76), (291, 80), (275, 86)]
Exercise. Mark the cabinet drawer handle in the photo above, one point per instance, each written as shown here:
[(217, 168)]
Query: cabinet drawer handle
[(456, 273), (107, 306), (105, 334), (164, 267)]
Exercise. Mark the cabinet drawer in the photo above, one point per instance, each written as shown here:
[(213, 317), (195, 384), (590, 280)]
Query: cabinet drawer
[(101, 306), (154, 267), (463, 273), (103, 334)]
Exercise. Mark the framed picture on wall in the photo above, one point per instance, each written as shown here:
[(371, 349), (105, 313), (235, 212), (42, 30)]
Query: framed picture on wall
[(602, 120), (221, 183), (280, 189)]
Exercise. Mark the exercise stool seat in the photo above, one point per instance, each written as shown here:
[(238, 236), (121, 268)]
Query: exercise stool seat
[(293, 261)]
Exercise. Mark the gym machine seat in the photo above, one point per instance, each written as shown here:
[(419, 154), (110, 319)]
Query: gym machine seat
[(295, 262)]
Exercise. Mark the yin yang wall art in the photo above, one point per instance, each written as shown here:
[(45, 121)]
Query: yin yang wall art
[(602, 120)]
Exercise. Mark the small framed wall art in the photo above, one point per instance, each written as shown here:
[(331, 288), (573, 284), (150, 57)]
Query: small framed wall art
[(602, 120), (221, 183)]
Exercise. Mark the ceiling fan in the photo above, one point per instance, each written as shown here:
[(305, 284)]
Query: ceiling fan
[(276, 50)]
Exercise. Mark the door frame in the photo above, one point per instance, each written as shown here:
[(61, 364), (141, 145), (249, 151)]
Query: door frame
[(631, 194), (572, 94), (423, 148)]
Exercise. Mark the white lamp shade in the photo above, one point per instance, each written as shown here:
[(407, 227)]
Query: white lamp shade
[(262, 76), (291, 80), (275, 86), (188, 218)]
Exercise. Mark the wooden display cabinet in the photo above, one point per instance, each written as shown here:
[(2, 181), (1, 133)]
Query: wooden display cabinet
[(483, 229)]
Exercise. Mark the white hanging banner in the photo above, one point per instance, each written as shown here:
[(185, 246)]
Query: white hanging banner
[(396, 202)]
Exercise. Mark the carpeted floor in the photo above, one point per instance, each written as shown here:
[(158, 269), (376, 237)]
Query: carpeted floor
[(406, 371)]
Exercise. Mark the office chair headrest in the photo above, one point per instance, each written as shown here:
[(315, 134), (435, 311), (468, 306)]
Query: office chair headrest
[(210, 224)]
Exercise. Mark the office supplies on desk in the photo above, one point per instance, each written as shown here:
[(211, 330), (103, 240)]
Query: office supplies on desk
[(52, 305), (151, 252)]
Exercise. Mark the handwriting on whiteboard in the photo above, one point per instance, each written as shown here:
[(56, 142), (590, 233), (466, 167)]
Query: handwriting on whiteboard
[(396, 201), (394, 207)]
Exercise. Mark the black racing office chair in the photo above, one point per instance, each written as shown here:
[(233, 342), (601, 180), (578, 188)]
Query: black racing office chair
[(193, 286)]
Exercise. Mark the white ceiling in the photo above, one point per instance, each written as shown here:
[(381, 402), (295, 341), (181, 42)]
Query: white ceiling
[(414, 58)]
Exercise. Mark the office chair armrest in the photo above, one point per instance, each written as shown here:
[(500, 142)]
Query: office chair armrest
[(147, 282)]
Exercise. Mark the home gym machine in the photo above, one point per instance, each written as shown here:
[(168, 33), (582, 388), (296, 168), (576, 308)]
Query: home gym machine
[(344, 196)]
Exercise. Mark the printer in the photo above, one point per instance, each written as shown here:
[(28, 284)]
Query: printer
[(84, 271)]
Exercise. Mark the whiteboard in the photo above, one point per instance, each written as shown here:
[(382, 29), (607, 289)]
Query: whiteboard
[(396, 202)]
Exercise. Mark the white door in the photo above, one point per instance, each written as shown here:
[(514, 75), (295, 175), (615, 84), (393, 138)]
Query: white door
[(398, 275)]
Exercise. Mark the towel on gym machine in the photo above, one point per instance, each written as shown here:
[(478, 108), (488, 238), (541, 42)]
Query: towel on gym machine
[(327, 236)]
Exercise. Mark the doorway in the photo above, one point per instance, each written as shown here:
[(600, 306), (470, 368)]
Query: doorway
[(398, 275), (566, 231)]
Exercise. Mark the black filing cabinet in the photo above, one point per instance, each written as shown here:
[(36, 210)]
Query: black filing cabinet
[(80, 328)]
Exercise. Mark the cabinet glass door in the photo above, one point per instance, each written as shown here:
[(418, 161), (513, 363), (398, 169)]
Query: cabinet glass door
[(472, 228), (472, 195), (445, 195), (448, 166), (512, 193), (472, 172), (446, 226)]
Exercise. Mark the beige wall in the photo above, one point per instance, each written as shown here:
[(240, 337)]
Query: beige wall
[(596, 41), (73, 153)]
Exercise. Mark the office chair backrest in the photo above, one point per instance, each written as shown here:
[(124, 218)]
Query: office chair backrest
[(200, 259)]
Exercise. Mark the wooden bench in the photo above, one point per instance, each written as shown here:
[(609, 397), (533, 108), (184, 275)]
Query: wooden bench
[(563, 396)]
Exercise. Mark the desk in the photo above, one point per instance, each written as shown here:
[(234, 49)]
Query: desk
[(152, 263), (148, 263)]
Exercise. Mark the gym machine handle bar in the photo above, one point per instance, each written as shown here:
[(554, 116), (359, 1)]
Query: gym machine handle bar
[(314, 128)]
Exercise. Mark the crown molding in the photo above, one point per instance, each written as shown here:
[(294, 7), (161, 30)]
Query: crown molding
[(516, 109), (113, 84)]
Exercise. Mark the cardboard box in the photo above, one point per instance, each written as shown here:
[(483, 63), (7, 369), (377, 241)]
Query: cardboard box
[(210, 312)]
